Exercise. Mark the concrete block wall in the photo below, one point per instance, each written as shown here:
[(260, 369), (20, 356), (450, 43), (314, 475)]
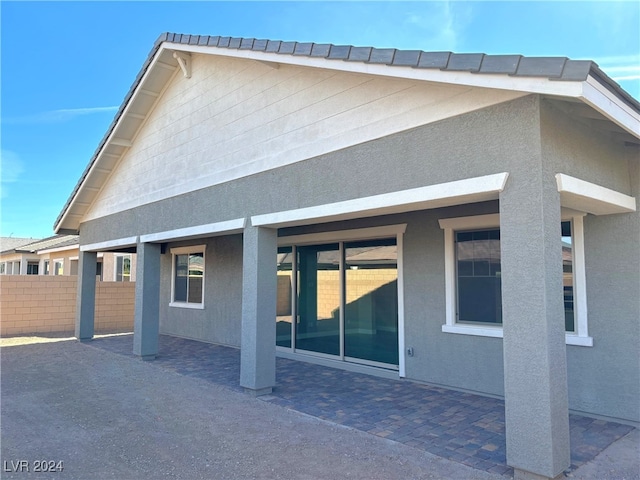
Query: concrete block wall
[(115, 302), (43, 304), (359, 284), (283, 305)]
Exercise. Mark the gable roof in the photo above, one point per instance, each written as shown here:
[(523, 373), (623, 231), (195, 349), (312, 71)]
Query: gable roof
[(577, 79), (34, 245), (11, 243)]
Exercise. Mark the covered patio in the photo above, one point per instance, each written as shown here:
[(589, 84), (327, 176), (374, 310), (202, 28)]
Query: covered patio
[(455, 425)]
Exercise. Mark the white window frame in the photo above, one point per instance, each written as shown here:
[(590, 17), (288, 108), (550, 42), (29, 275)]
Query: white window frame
[(31, 263), (450, 225), (3, 268), (55, 261), (182, 251), (115, 266)]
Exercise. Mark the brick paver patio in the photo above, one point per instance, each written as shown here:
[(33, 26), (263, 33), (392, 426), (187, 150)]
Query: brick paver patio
[(455, 425)]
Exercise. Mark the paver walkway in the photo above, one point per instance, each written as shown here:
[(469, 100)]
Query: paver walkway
[(455, 425)]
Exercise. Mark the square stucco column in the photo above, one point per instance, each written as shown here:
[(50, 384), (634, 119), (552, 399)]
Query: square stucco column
[(86, 297), (535, 371), (146, 322), (259, 289)]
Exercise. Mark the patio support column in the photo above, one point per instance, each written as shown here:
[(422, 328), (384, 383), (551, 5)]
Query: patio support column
[(24, 264), (86, 297), (535, 371), (259, 289), (146, 322)]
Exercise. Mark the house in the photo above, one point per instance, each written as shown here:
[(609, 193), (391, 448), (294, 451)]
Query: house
[(464, 220), (58, 255)]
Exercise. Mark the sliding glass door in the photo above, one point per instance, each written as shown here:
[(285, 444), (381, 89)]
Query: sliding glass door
[(371, 301), (318, 327), (344, 299)]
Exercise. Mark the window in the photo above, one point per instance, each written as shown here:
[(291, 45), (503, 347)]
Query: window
[(188, 277), (46, 267), (58, 267), (3, 267), (123, 268), (479, 293), (32, 268), (473, 277)]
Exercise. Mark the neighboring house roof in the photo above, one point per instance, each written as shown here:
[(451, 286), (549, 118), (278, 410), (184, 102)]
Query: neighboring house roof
[(10, 243), (602, 98), (32, 246)]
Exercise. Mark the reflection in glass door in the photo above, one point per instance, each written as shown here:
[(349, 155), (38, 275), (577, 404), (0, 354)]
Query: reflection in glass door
[(318, 323), (340, 299), (284, 302), (371, 301)]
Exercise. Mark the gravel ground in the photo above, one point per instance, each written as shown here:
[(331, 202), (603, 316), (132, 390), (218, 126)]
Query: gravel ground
[(105, 416)]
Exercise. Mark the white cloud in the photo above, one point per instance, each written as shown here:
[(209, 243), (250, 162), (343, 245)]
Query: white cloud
[(441, 24), (57, 116), (11, 167), (620, 67)]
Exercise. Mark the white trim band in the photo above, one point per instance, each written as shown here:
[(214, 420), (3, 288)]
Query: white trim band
[(496, 332), (219, 228), (370, 233), (458, 192), (591, 198), (110, 244)]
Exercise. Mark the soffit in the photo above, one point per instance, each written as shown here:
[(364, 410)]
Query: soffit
[(170, 56)]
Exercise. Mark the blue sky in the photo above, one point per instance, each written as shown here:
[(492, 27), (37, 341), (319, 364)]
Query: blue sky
[(66, 66)]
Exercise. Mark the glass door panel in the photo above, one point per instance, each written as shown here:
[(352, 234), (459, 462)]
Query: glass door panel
[(371, 301), (284, 307), (318, 321)]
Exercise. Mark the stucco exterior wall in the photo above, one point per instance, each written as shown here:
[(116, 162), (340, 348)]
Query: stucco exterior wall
[(219, 321), (238, 117), (506, 137), (479, 143), (109, 267), (603, 379)]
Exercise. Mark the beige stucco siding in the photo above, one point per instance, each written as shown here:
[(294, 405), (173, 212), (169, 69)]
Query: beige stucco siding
[(236, 117)]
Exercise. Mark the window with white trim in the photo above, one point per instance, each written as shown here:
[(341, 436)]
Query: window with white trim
[(32, 268), (45, 267), (187, 278), (3, 268), (473, 277), (123, 268), (58, 267), (478, 277)]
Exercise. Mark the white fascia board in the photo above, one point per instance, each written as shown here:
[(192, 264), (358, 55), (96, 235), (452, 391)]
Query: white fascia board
[(540, 85), (227, 227), (458, 192), (591, 198), (60, 249), (589, 91), (110, 244), (605, 102)]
